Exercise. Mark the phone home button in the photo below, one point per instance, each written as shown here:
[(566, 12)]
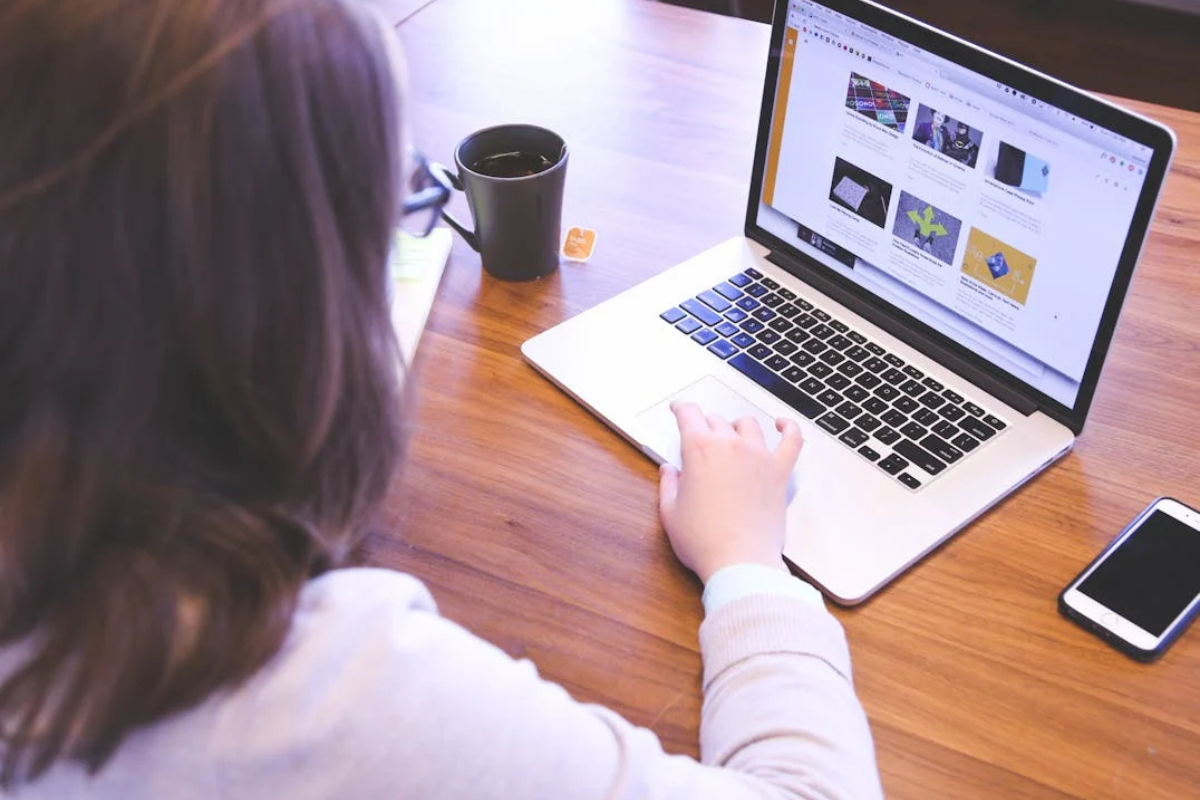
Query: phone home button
[(1109, 620)]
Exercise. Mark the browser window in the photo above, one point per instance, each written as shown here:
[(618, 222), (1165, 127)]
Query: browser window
[(992, 217)]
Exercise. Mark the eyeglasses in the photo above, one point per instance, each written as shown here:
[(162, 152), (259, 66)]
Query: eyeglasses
[(429, 191)]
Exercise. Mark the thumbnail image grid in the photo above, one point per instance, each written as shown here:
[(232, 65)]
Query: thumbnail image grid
[(865, 194), (1020, 170), (998, 265), (950, 137), (877, 102), (927, 228)]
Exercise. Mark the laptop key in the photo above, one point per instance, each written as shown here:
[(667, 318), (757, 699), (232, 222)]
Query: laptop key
[(768, 336), (822, 331), (914, 430), (913, 372), (704, 336), (777, 363), (853, 437), (933, 385), (908, 480), (856, 393), (756, 290), (893, 464), (906, 404), (849, 369), (886, 391), (814, 346), (995, 422), (821, 370), (785, 293), (797, 335), (763, 314), (787, 310), (794, 374), (689, 325), (743, 340), (941, 448), (802, 359), (728, 291), (875, 364), (974, 427), (952, 413), (839, 326), (727, 329), (832, 357), (857, 352), (912, 388), (887, 435), (821, 315), (893, 359), (780, 324), (673, 315), (972, 409), (945, 430), (867, 380), (874, 405), (786, 348), (747, 304), (722, 349), (857, 337), (700, 311), (874, 349), (776, 385), (893, 376), (752, 326), (833, 423), (759, 352), (848, 410), (965, 442), (829, 397), (925, 417), (839, 342), (837, 381), (767, 282), (952, 396), (713, 300), (933, 400), (743, 278), (771, 300), (918, 455), (806, 320), (894, 418), (807, 306), (735, 315), (866, 452), (867, 422), (812, 386)]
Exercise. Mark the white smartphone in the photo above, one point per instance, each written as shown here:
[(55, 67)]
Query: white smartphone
[(1144, 589)]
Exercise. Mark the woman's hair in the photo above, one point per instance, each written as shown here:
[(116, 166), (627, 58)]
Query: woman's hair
[(198, 399)]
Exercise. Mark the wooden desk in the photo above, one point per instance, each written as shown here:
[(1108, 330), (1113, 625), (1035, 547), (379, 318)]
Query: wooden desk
[(536, 526)]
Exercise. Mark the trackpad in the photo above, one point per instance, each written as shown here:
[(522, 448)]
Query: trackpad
[(659, 434)]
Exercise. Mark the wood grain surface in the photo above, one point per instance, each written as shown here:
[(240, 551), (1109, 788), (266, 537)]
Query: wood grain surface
[(536, 527)]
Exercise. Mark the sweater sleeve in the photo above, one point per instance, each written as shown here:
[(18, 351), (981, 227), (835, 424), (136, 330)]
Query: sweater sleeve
[(375, 695)]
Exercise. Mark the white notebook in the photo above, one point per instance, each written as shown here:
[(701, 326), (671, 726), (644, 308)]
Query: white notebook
[(415, 270)]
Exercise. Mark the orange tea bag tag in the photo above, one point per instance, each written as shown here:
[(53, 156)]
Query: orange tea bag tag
[(579, 244)]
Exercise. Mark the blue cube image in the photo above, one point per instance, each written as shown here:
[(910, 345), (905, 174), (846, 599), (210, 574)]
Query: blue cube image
[(997, 265)]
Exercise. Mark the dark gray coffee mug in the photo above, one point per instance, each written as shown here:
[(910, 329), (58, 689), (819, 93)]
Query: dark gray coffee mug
[(518, 220)]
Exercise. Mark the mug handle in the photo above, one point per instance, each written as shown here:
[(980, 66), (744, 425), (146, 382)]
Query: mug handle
[(468, 235)]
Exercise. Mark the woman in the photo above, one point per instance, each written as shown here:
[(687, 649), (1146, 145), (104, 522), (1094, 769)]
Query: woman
[(200, 412)]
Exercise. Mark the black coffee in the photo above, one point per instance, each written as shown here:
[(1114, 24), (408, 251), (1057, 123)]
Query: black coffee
[(517, 164)]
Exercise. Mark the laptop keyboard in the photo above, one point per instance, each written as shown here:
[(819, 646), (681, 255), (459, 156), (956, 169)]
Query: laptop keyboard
[(906, 423)]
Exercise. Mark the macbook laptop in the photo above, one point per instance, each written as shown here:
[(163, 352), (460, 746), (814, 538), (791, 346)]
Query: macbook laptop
[(937, 245)]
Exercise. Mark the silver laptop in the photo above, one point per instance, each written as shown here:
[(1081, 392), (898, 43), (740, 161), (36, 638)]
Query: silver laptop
[(937, 245)]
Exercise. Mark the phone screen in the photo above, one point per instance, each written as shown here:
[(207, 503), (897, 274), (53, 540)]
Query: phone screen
[(1151, 577)]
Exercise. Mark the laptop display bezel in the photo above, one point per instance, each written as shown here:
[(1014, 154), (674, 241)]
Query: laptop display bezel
[(1025, 80)]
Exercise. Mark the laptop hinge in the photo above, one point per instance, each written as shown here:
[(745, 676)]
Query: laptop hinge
[(916, 339)]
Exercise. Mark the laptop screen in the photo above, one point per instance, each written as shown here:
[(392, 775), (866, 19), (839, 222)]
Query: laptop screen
[(980, 199)]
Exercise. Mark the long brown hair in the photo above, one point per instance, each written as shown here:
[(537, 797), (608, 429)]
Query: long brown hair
[(197, 398)]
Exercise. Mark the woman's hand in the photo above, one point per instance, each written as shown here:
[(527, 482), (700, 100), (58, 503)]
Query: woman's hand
[(728, 504)]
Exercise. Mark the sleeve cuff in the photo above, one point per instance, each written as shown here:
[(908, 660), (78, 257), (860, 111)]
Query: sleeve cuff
[(741, 580)]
